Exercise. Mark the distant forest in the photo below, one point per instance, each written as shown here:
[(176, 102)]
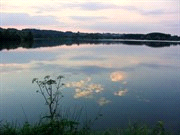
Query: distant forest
[(15, 35), (80, 36), (32, 34)]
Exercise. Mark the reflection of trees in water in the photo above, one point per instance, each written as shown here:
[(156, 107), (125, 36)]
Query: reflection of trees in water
[(13, 38), (69, 41), (150, 44), (15, 44), (159, 44), (44, 43)]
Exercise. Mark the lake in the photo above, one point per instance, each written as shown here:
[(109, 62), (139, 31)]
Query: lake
[(124, 83)]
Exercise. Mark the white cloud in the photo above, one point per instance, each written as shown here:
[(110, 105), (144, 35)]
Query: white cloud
[(87, 18), (10, 19), (99, 16), (92, 6)]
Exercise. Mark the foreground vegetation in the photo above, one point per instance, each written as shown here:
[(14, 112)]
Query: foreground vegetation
[(65, 127)]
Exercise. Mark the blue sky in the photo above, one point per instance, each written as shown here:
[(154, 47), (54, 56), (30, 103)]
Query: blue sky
[(117, 16)]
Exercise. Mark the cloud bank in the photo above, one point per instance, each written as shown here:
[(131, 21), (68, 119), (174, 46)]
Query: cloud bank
[(11, 19)]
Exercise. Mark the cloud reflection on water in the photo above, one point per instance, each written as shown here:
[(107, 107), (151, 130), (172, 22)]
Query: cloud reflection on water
[(89, 60), (117, 76), (84, 88), (121, 92), (103, 101)]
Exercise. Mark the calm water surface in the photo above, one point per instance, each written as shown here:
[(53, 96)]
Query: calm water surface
[(124, 83)]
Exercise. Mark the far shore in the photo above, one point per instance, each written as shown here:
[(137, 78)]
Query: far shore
[(111, 40), (145, 40)]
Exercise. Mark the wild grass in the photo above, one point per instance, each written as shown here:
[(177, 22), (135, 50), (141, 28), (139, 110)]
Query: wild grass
[(68, 127)]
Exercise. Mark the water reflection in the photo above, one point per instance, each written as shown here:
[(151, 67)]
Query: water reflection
[(103, 101), (140, 96), (142, 99), (150, 44), (119, 77), (121, 92), (84, 88), (15, 44), (116, 76), (50, 43)]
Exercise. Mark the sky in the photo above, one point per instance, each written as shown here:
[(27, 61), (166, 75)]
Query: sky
[(114, 16)]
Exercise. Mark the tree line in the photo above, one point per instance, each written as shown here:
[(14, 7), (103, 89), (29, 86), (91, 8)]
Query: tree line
[(31, 34), (15, 35)]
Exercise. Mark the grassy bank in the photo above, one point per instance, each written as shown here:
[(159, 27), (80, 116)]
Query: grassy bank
[(68, 127)]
